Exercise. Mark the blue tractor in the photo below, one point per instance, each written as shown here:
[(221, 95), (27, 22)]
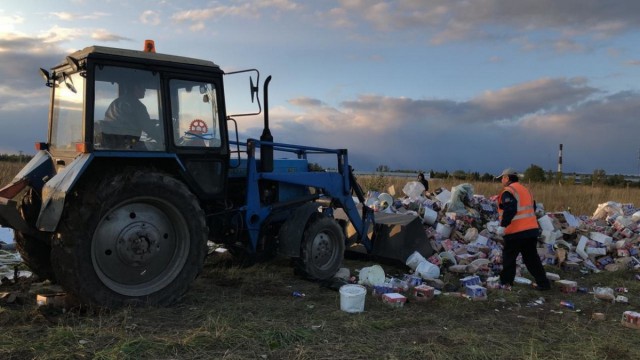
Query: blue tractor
[(139, 173)]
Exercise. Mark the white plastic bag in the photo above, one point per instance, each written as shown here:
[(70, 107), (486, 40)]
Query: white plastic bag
[(413, 189), (610, 209), (461, 195)]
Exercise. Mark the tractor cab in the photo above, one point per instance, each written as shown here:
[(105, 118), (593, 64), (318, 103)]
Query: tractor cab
[(138, 105)]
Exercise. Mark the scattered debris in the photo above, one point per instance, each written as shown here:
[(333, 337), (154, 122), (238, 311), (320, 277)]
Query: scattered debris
[(462, 229), (631, 319)]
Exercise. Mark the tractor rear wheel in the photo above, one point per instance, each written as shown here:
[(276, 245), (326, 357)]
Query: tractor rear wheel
[(36, 254), (34, 248), (322, 248), (139, 238)]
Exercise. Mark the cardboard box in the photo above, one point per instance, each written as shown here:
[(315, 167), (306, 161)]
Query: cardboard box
[(423, 292), (55, 300), (379, 290), (601, 238), (470, 280), (476, 292), (631, 319), (567, 286), (394, 299)]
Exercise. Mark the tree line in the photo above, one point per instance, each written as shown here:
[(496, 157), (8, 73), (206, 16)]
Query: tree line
[(15, 157), (534, 174)]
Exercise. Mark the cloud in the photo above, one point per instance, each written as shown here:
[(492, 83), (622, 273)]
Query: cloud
[(571, 23), (338, 18), (539, 95), (67, 16), (21, 57), (58, 34), (7, 23), (242, 9), (472, 135), (214, 13), (150, 17), (105, 35)]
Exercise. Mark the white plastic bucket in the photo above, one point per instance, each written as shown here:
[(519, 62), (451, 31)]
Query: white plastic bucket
[(385, 198), (427, 270), (414, 259), (352, 298), (448, 255), (444, 230), (430, 216)]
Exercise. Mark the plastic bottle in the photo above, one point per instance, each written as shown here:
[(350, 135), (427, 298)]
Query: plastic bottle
[(567, 304)]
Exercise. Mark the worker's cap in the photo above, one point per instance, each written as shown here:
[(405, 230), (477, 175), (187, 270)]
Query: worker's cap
[(507, 171)]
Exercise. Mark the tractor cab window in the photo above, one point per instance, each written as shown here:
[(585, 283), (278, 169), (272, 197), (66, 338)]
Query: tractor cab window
[(68, 101), (127, 110), (195, 114)]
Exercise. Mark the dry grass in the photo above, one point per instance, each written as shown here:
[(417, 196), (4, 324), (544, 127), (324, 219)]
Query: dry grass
[(250, 313), (8, 170)]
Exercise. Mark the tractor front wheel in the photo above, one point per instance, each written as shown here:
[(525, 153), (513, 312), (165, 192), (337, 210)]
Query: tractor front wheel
[(322, 248), (139, 238)]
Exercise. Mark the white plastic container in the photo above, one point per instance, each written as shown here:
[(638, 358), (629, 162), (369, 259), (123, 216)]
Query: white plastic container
[(352, 298), (430, 216), (427, 270), (444, 230), (414, 259), (449, 256), (385, 200)]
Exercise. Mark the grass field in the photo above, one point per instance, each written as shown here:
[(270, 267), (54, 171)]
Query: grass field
[(578, 199), (251, 313)]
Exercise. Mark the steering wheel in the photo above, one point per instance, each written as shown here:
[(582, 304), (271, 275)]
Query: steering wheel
[(198, 126)]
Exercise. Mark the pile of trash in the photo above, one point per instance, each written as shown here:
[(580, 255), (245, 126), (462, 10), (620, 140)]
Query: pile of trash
[(462, 229), (9, 259)]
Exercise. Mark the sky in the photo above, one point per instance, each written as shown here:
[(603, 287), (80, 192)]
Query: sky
[(410, 84)]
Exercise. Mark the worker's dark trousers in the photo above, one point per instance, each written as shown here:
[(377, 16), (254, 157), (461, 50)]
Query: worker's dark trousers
[(528, 248)]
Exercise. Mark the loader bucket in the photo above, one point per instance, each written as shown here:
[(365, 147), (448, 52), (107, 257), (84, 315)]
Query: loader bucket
[(394, 237), (10, 217), (9, 214), (397, 236)]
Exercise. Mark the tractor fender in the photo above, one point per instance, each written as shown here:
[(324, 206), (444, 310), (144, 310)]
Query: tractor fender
[(37, 170), (56, 189), (290, 234), (33, 174)]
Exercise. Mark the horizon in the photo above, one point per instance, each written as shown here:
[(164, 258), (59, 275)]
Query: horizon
[(432, 84)]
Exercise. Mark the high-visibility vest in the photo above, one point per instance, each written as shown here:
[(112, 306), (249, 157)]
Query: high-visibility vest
[(525, 218)]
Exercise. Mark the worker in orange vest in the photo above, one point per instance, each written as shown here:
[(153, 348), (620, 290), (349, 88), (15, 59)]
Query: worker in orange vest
[(520, 231)]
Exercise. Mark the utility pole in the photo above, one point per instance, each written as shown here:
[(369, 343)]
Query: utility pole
[(559, 175)]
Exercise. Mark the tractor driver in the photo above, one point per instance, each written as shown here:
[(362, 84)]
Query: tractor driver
[(126, 118)]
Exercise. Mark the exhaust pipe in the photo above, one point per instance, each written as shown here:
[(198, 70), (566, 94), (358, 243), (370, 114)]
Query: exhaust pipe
[(266, 151)]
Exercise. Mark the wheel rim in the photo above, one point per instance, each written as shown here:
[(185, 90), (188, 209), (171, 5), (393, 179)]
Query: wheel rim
[(140, 246), (323, 250)]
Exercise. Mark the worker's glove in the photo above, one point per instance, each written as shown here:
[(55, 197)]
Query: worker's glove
[(500, 231)]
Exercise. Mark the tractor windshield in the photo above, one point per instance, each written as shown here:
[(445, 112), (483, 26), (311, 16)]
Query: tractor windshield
[(195, 113), (68, 100), (127, 110)]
